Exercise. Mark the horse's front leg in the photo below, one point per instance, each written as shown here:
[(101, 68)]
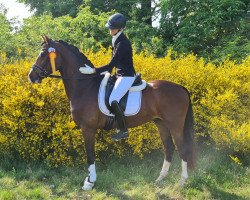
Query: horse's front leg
[(89, 140)]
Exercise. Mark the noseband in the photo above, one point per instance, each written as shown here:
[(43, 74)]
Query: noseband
[(41, 72)]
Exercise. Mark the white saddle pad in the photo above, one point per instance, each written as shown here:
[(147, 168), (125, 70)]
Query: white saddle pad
[(133, 103)]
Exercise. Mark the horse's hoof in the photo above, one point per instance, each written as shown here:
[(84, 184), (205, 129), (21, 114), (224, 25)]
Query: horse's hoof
[(159, 179), (183, 181), (162, 175), (119, 136), (87, 185)]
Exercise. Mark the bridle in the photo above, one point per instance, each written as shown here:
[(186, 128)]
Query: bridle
[(42, 73)]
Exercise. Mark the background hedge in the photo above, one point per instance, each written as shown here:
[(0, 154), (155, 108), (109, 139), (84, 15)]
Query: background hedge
[(36, 123)]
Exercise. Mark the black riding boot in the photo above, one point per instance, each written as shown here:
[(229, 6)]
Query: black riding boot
[(120, 118)]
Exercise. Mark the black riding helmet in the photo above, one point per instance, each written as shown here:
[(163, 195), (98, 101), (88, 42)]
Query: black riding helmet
[(116, 21)]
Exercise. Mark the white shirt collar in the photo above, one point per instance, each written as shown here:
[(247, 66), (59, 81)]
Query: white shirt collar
[(114, 38)]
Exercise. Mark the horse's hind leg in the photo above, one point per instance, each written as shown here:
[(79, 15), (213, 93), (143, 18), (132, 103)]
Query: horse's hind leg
[(168, 147), (177, 134)]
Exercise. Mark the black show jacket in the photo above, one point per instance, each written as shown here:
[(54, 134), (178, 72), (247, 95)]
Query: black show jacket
[(122, 58)]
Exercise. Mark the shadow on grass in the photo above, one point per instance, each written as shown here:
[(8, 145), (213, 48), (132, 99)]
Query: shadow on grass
[(220, 194), (214, 192), (217, 176)]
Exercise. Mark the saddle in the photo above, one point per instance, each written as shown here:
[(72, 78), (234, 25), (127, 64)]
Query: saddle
[(130, 102), (109, 88)]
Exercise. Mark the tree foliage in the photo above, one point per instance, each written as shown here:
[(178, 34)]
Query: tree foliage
[(139, 10), (212, 29), (86, 31), (206, 27), (7, 40), (55, 7)]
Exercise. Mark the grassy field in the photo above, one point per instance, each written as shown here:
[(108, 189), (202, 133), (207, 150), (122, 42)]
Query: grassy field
[(216, 177)]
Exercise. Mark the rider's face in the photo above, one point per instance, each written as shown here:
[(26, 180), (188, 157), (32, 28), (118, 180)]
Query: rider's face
[(113, 32)]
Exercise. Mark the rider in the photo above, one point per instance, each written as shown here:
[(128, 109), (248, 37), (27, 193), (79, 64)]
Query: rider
[(125, 72)]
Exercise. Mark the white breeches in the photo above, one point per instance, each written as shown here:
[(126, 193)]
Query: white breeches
[(121, 87)]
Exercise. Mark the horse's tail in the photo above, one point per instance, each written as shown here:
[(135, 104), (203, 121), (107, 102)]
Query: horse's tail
[(189, 143)]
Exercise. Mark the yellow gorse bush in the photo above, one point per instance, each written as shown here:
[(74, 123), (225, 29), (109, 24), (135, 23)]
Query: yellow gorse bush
[(36, 122)]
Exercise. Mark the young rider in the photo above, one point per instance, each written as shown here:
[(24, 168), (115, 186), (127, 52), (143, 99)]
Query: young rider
[(123, 62)]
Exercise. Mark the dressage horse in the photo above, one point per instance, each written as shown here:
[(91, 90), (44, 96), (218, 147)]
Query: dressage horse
[(165, 103)]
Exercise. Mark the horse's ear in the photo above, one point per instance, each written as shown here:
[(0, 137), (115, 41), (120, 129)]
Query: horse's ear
[(45, 39)]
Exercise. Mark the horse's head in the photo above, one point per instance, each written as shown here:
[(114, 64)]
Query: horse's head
[(47, 61)]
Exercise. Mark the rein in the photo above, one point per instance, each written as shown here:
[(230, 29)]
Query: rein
[(44, 74), (73, 78)]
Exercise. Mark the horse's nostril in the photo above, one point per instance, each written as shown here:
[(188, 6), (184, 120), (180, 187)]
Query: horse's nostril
[(33, 77)]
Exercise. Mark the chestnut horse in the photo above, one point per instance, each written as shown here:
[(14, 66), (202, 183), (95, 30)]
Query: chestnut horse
[(167, 104)]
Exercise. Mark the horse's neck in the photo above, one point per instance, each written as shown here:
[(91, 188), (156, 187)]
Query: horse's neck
[(75, 87)]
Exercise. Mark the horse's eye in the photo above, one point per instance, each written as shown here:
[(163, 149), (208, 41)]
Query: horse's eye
[(43, 54)]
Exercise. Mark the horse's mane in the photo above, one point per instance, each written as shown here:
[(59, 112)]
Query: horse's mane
[(76, 51)]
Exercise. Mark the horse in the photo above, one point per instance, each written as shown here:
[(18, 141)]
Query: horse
[(164, 103)]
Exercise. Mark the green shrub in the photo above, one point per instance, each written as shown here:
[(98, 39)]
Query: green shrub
[(36, 122)]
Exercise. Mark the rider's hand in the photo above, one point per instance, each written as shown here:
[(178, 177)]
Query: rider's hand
[(103, 73), (87, 70)]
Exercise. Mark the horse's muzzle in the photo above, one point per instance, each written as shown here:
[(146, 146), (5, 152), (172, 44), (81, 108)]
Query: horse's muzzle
[(34, 77)]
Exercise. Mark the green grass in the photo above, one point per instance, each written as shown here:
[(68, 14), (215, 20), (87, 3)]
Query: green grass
[(216, 177)]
